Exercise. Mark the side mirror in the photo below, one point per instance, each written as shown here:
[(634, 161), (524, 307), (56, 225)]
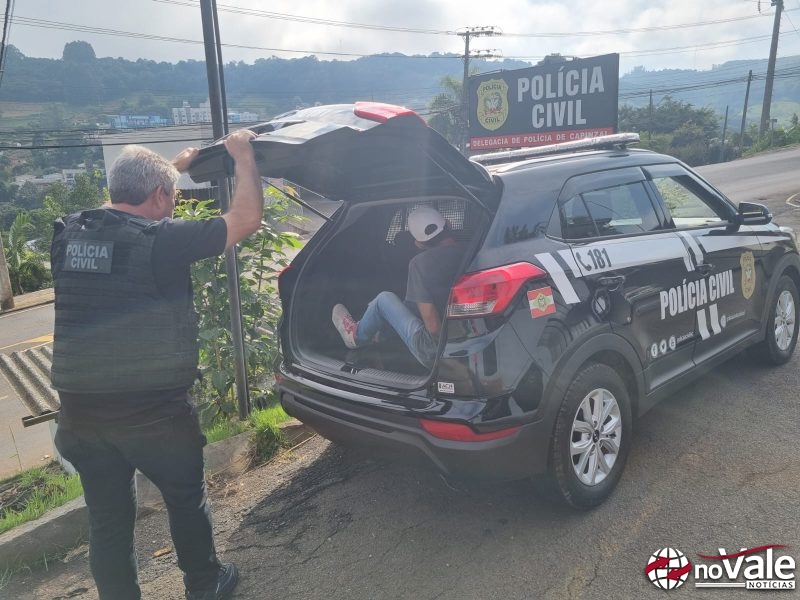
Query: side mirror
[(751, 213)]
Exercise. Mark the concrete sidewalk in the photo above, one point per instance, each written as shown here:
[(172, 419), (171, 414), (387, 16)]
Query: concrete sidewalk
[(31, 300), (66, 527)]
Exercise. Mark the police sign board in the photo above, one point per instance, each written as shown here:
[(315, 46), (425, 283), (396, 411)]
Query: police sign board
[(88, 256), (547, 104)]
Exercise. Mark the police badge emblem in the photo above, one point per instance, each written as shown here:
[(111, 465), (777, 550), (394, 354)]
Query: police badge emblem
[(492, 103), (748, 264)]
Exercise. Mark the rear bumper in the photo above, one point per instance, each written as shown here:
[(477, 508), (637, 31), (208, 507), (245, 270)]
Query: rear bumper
[(522, 454)]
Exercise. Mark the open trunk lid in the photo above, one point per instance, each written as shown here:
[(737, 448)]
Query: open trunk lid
[(356, 152)]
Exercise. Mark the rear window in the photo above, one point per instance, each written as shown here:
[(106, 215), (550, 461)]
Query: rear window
[(525, 210)]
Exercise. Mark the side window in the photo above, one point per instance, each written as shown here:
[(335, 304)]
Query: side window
[(688, 201), (576, 224), (684, 205), (618, 210)]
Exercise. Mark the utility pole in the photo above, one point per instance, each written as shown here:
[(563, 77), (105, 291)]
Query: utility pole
[(467, 34), (6, 294), (724, 130), (219, 124), (744, 112), (773, 53), (650, 119)]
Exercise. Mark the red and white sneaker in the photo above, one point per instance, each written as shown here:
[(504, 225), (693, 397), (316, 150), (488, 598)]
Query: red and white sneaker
[(345, 325)]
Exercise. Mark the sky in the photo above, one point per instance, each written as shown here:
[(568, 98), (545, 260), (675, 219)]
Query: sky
[(656, 34)]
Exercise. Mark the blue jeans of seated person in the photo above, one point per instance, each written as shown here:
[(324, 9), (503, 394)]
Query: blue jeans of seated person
[(169, 452), (388, 310)]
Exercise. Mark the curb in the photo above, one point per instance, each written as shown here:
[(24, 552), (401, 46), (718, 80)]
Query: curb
[(30, 300), (67, 526)]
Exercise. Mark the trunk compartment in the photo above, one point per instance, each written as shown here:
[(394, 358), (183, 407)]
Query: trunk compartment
[(364, 251)]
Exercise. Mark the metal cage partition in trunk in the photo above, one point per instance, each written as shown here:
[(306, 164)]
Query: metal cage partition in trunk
[(367, 251)]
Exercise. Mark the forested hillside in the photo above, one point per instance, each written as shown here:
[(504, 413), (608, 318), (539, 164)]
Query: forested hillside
[(274, 85), (267, 87)]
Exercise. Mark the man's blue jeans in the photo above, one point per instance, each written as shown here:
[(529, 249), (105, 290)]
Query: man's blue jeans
[(388, 310), (170, 453)]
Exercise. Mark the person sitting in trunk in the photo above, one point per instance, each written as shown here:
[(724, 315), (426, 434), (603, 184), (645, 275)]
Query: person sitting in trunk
[(431, 273)]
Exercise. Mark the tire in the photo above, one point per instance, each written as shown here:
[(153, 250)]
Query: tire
[(577, 477), (778, 345)]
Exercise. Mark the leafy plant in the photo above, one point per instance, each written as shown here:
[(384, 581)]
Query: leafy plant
[(445, 109), (26, 266), (260, 258)]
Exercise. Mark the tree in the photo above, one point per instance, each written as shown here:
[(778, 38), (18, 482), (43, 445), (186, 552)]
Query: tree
[(668, 115), (60, 201), (26, 267), (79, 75), (78, 52), (262, 258), (28, 197), (445, 109), (7, 191)]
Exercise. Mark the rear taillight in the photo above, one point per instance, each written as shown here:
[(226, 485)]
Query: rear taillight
[(459, 432), (489, 292), (282, 273)]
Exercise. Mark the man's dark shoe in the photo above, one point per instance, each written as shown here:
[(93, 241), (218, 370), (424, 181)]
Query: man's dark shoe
[(227, 580)]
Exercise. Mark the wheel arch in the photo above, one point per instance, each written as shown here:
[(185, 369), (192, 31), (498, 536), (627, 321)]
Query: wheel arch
[(606, 348), (788, 265)]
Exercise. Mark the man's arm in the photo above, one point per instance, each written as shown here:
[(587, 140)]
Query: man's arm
[(184, 158), (430, 317), (247, 205)]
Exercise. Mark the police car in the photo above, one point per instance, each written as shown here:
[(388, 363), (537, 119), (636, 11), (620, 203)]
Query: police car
[(598, 280)]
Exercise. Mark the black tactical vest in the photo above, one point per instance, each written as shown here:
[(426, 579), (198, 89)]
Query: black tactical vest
[(114, 330)]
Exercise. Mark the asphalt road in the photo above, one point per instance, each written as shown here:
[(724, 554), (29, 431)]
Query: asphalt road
[(714, 466), (22, 447), (768, 176)]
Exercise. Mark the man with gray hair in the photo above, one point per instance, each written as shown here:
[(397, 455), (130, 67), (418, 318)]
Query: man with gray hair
[(125, 355)]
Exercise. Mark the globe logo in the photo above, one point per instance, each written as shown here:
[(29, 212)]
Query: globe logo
[(668, 568)]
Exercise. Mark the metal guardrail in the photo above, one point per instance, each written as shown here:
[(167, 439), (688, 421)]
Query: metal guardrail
[(28, 372)]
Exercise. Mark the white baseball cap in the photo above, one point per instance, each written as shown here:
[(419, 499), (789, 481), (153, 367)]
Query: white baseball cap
[(425, 223)]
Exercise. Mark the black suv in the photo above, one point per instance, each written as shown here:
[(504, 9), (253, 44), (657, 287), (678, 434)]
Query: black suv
[(598, 279)]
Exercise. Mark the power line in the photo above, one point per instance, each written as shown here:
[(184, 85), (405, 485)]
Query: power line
[(629, 30), (59, 25), (310, 20), (349, 24)]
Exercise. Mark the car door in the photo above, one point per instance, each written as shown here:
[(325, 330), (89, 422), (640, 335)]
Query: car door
[(631, 265), (728, 300), (362, 152)]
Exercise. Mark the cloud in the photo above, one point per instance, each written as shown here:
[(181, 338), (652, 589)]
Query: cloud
[(685, 47)]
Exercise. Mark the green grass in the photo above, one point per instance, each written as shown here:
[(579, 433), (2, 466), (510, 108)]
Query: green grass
[(27, 496), (223, 429), (267, 435), (40, 490), (264, 423)]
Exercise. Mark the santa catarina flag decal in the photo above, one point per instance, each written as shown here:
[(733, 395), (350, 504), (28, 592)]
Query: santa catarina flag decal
[(541, 302)]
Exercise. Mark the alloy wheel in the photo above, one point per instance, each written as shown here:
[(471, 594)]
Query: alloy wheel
[(784, 320), (596, 436)]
